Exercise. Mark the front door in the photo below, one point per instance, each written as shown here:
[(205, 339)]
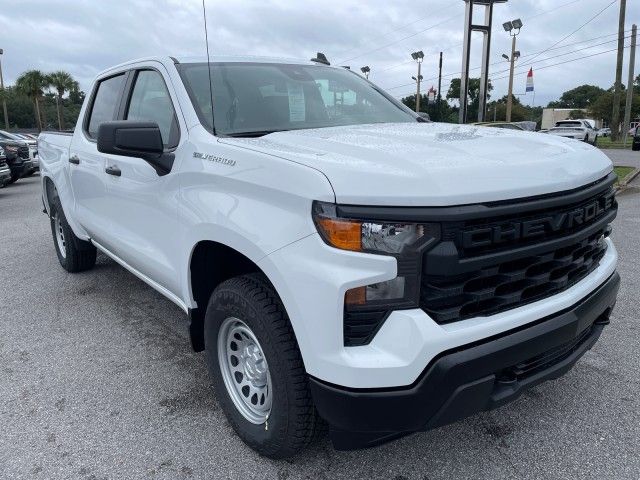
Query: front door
[(142, 204)]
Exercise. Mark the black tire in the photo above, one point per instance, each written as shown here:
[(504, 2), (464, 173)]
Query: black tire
[(293, 422), (586, 138), (14, 178), (78, 255)]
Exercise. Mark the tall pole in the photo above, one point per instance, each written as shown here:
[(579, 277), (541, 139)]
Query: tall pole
[(418, 89), (510, 94), (632, 64), (466, 50), (439, 88), (2, 92), (615, 117), (484, 71)]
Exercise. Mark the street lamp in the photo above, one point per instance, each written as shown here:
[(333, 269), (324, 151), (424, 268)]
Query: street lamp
[(365, 70), (418, 57), (2, 92), (513, 28)]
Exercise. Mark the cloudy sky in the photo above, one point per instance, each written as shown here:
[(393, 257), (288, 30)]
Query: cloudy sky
[(84, 37)]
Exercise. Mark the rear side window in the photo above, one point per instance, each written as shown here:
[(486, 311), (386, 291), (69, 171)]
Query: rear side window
[(105, 103), (150, 102)]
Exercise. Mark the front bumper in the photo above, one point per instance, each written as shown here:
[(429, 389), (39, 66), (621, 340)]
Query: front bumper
[(469, 379)]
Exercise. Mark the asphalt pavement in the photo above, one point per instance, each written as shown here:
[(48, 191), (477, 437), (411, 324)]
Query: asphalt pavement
[(623, 158), (98, 380)]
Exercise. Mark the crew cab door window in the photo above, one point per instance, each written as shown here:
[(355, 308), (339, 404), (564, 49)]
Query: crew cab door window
[(105, 103), (150, 102)]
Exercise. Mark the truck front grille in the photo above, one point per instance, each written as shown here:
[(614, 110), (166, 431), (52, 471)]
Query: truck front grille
[(510, 284), (23, 152), (484, 266)]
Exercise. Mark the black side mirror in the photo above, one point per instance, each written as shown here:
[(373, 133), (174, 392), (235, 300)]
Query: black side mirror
[(135, 139)]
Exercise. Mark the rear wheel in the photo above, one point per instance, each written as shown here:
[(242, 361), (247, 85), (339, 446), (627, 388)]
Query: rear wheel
[(74, 254), (257, 369)]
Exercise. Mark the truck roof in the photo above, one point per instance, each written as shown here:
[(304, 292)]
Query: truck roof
[(214, 59)]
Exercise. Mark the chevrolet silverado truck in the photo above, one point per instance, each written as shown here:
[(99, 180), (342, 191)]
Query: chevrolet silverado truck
[(341, 261)]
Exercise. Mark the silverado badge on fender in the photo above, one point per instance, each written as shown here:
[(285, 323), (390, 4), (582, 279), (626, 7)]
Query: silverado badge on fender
[(214, 158)]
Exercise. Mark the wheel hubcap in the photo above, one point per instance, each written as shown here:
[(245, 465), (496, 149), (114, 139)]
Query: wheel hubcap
[(62, 246), (244, 370)]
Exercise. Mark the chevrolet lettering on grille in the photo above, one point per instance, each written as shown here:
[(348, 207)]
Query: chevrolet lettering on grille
[(512, 231)]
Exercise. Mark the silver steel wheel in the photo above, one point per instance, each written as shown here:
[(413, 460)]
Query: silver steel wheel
[(59, 236), (244, 370)]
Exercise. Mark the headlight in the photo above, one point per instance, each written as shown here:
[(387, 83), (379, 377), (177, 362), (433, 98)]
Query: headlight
[(360, 235), (404, 241)]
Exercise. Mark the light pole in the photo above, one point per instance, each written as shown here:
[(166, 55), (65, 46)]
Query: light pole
[(4, 101), (418, 57), (513, 27), (365, 70)]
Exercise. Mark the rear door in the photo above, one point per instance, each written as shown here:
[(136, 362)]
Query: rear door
[(87, 165), (142, 204)]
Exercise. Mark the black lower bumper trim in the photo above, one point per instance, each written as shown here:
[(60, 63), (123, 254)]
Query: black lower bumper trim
[(469, 379)]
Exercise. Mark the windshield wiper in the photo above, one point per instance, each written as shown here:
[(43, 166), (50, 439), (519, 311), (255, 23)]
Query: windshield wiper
[(254, 133)]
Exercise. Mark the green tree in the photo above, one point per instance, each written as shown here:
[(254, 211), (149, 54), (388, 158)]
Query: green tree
[(602, 108), (576, 114), (437, 113), (62, 82), (579, 97), (32, 83), (473, 91)]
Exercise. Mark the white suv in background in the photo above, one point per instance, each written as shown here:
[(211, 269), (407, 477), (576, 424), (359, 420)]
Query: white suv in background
[(577, 129)]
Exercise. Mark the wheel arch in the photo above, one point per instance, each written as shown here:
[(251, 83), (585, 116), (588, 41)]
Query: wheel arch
[(210, 264)]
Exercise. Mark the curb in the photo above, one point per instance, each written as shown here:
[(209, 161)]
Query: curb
[(628, 179)]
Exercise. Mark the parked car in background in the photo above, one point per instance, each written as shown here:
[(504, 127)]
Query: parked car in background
[(507, 125), (635, 146), (33, 146), (5, 173), (578, 129), (604, 132), (17, 153)]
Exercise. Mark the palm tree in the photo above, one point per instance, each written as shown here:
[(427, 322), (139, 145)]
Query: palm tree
[(31, 83), (62, 82)]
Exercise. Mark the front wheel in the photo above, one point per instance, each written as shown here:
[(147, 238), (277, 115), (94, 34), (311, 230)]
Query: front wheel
[(257, 369), (74, 254)]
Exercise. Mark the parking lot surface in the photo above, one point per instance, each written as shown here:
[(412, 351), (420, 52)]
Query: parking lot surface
[(623, 158), (98, 380)]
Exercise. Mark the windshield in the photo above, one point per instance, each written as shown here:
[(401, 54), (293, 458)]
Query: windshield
[(252, 99)]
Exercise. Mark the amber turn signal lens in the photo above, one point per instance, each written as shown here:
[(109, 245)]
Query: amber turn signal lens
[(356, 296), (342, 234)]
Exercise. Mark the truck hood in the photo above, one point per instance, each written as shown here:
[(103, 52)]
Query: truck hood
[(435, 164)]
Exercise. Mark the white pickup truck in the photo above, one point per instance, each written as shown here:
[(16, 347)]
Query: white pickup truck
[(341, 261)]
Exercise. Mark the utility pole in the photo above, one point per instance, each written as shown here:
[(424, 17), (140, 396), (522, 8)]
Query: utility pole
[(2, 92), (439, 88), (511, 67), (418, 57), (615, 117), (632, 63)]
